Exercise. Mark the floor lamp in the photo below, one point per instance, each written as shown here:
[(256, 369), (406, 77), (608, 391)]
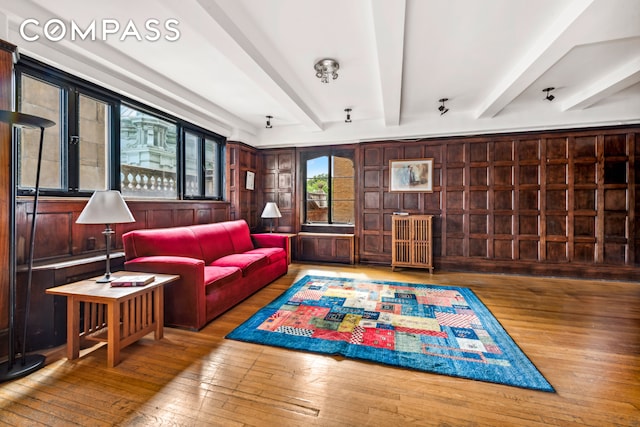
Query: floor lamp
[(13, 368)]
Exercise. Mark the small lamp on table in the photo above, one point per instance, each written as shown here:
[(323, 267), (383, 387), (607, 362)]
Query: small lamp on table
[(106, 207), (271, 211)]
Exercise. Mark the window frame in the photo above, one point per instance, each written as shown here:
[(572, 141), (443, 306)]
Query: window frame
[(69, 124), (72, 87), (203, 135), (329, 226)]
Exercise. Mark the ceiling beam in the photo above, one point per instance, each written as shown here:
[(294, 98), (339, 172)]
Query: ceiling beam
[(545, 52), (104, 65), (389, 31), (617, 80), (250, 59)]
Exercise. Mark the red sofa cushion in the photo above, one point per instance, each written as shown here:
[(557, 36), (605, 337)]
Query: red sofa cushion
[(245, 262), (218, 276), (240, 235), (272, 254), (176, 241), (215, 241)]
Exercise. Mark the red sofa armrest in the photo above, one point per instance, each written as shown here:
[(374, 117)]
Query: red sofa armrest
[(269, 240), (185, 304)]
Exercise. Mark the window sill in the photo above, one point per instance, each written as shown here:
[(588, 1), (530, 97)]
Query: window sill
[(327, 228)]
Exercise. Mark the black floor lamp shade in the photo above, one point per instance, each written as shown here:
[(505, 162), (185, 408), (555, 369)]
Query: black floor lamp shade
[(25, 364)]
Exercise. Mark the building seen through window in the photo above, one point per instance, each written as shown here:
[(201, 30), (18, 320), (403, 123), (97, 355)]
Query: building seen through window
[(148, 155)]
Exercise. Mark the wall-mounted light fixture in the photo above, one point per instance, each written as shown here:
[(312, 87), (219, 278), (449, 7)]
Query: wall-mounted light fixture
[(348, 111), (326, 68), (549, 97), (443, 110), (268, 125)]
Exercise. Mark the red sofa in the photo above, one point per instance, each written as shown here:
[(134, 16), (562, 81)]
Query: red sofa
[(219, 265)]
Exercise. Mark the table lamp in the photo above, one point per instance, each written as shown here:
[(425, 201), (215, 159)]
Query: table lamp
[(271, 211), (106, 207)]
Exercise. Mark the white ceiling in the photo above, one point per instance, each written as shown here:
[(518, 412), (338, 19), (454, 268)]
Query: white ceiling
[(237, 61)]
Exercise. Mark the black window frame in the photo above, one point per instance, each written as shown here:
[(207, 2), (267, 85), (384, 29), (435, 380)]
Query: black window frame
[(73, 87), (203, 135)]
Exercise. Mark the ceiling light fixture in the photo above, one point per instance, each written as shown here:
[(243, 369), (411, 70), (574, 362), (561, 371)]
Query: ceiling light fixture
[(348, 111), (268, 126), (549, 97), (443, 110), (326, 68)]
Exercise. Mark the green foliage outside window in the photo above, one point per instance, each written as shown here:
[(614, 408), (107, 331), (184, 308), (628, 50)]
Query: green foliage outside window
[(318, 183)]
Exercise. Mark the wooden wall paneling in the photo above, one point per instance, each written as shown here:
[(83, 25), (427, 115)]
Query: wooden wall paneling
[(241, 158), (432, 202), (278, 177), (525, 202), (477, 171), (600, 199), (370, 198), (286, 183), (455, 214), (582, 170), (501, 181), (616, 193), (634, 197)]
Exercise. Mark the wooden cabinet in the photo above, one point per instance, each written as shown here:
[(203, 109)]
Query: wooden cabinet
[(412, 242)]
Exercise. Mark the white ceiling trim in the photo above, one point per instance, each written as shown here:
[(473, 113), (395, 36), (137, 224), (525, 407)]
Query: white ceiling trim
[(536, 61), (390, 50), (257, 66), (100, 65), (619, 79)]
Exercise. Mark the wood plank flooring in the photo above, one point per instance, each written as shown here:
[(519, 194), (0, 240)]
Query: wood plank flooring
[(584, 336)]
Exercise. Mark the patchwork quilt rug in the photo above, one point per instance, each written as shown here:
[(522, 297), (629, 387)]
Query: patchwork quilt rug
[(439, 329)]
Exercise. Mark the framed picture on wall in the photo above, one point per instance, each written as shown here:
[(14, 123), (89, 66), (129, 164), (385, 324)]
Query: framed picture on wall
[(251, 180), (411, 175)]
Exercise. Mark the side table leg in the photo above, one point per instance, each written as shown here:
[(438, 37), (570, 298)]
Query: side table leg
[(113, 333), (158, 304), (73, 328)]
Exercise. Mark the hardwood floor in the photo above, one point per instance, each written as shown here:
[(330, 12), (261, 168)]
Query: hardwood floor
[(584, 336)]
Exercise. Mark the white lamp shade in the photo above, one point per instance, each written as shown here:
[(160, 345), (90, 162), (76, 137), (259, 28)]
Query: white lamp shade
[(271, 211), (105, 207)]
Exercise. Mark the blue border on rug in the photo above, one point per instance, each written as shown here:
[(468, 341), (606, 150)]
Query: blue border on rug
[(522, 373)]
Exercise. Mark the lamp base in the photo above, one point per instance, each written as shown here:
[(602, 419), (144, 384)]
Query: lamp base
[(32, 362), (105, 279)]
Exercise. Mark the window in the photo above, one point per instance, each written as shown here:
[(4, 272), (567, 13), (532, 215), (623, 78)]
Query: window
[(148, 155), (206, 180), (75, 155), (45, 100), (330, 188), (93, 145), (102, 140)]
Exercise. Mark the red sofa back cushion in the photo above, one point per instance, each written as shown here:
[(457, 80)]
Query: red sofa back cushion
[(176, 241), (240, 235), (215, 242)]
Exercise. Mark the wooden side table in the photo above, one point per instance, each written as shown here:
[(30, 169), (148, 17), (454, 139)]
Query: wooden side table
[(292, 241), (119, 315)]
